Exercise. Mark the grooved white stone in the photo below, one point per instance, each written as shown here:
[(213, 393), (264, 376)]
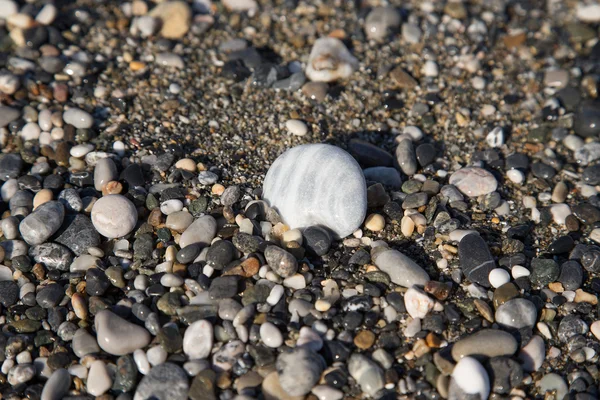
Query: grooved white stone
[(330, 61), (317, 184)]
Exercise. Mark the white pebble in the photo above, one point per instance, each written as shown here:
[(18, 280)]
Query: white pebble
[(498, 277), (270, 335), (156, 355), (171, 206), (296, 127), (81, 150), (171, 280), (417, 302), (495, 138), (519, 271), (31, 131), (430, 69), (78, 118), (47, 14), (141, 361), (515, 176), (471, 377), (275, 295)]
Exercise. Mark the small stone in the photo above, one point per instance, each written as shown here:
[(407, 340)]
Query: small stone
[(533, 354), (478, 344), (367, 373), (166, 381), (10, 164), (474, 181), (516, 314), (38, 226), (176, 17), (270, 335), (471, 378), (118, 336), (9, 293), (8, 115), (296, 127), (406, 157), (201, 231), (475, 258), (417, 303), (104, 172), (78, 118), (316, 240), (53, 255), (382, 21), (98, 381), (57, 386), (402, 270), (114, 216), (330, 61), (198, 340), (281, 262), (375, 222)]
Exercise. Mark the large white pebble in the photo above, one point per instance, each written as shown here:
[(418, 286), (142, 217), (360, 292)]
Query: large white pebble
[(198, 340), (78, 118), (471, 377), (498, 277), (270, 335), (114, 216)]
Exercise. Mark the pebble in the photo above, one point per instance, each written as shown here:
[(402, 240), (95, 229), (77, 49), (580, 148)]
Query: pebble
[(296, 127), (471, 378), (281, 262), (78, 118), (406, 157), (201, 231), (319, 203), (10, 167), (533, 354), (98, 380), (105, 171), (299, 370), (381, 22), (57, 386), (118, 336), (478, 344), (329, 61), (498, 277), (38, 226), (475, 258), (271, 335), (553, 383), (474, 181), (7, 115), (418, 304), (516, 314), (176, 17), (198, 340), (402, 270), (367, 373), (166, 381), (114, 216)]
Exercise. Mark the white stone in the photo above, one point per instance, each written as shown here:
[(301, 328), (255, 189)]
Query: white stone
[(198, 340), (47, 14), (57, 386), (560, 212), (309, 338), (498, 277), (317, 184), (474, 181), (515, 176), (418, 303), (533, 354), (519, 271), (431, 69), (296, 127), (330, 61), (588, 13), (275, 295), (270, 335), (114, 216), (118, 336), (78, 118), (495, 138), (402, 270), (141, 361), (8, 8), (156, 355), (471, 377), (203, 230), (595, 329), (31, 131), (104, 172), (98, 380)]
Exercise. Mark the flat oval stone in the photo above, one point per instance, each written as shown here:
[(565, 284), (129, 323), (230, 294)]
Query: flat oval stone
[(475, 258), (117, 336), (104, 172), (38, 226), (202, 231), (478, 344), (317, 184), (474, 181), (402, 270), (114, 216)]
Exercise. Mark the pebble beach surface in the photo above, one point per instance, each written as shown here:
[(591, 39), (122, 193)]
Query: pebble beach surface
[(285, 200)]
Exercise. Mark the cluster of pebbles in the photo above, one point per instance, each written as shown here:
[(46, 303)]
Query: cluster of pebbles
[(443, 243)]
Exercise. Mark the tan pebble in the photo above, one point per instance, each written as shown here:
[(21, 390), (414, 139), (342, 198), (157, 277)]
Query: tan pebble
[(584, 297), (375, 222), (186, 164), (372, 268), (484, 309), (279, 229), (364, 340), (201, 167), (138, 8), (171, 253), (79, 306), (595, 329), (407, 226), (556, 287), (112, 187), (239, 219), (42, 197), (136, 65), (293, 235), (217, 189), (420, 348)]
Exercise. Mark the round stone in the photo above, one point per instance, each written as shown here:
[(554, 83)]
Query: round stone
[(516, 314), (317, 184), (114, 216)]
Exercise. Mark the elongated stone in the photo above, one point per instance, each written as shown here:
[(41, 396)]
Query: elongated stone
[(38, 226), (198, 340), (475, 258), (474, 181), (478, 344), (402, 270), (317, 184), (405, 155), (202, 231), (57, 386)]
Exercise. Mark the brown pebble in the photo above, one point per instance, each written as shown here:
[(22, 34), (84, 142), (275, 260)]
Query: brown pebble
[(156, 217), (136, 66), (572, 223), (556, 287), (420, 348), (403, 79), (62, 154), (364, 340), (112, 187), (248, 268), (41, 197), (315, 90), (484, 309), (39, 271), (512, 41), (438, 290), (217, 189), (433, 340), (61, 92)]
